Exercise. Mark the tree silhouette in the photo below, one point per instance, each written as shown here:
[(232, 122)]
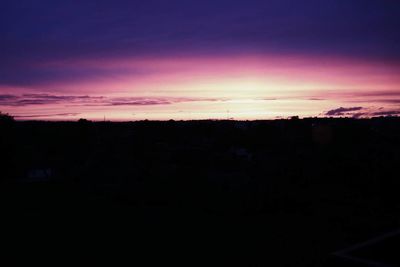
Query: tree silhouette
[(5, 117), (84, 121)]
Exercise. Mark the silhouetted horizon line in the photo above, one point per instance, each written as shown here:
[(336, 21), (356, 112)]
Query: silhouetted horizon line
[(214, 120)]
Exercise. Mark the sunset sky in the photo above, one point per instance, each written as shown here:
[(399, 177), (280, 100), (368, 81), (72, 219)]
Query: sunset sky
[(209, 59)]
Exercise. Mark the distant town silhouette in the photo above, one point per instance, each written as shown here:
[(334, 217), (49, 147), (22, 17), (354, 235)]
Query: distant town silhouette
[(301, 187)]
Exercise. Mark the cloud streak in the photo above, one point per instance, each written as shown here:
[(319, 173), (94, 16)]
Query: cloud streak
[(387, 113), (34, 116), (362, 112), (342, 111), (85, 100), (44, 99)]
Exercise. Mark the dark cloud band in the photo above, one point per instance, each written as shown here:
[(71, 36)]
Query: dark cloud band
[(85, 100)]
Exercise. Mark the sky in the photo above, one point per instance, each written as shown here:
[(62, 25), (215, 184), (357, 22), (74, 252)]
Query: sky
[(219, 59)]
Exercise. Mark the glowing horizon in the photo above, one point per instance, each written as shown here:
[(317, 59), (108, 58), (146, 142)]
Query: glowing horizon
[(238, 87)]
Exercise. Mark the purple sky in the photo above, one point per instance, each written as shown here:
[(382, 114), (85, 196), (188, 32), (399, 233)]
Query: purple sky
[(199, 59)]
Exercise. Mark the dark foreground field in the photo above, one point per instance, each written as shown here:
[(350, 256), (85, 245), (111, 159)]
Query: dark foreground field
[(264, 193)]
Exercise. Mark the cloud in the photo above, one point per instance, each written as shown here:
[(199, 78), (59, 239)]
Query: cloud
[(144, 101), (359, 115), (387, 93), (85, 100), (363, 112), (72, 114), (7, 97), (138, 102), (387, 113), (377, 96), (389, 101), (43, 99), (342, 111)]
